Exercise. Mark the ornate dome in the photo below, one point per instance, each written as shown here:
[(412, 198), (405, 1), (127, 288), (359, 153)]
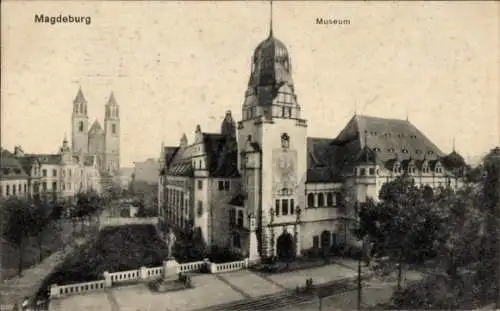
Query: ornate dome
[(270, 46), (270, 64)]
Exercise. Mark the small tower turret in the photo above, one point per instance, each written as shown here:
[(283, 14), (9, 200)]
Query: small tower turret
[(112, 135)]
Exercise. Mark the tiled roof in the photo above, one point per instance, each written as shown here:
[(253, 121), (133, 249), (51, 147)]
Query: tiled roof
[(27, 163), (53, 159), (10, 167), (389, 138), (320, 167), (221, 152), (222, 155)]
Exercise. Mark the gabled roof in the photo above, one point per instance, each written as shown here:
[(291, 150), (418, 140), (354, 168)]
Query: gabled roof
[(96, 128)]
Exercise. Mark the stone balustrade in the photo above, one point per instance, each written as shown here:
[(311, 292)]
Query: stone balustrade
[(228, 266), (142, 274), (124, 221)]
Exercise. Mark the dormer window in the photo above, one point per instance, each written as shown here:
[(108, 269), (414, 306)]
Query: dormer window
[(390, 149), (404, 150), (397, 168), (430, 152), (377, 149), (418, 151)]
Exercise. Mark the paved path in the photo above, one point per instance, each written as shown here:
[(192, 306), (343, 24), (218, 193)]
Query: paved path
[(210, 290)]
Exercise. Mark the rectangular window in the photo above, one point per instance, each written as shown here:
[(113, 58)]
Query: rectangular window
[(44, 173), (221, 185), (54, 173), (69, 172), (54, 186), (44, 186), (25, 188), (277, 207), (63, 186), (226, 185), (292, 207), (362, 171), (284, 207), (7, 190), (19, 188), (371, 171), (200, 184), (14, 190)]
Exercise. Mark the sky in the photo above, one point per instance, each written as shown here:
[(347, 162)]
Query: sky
[(173, 65)]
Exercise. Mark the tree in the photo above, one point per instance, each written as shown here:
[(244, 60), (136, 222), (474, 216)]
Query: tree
[(40, 214), (403, 225), (21, 222)]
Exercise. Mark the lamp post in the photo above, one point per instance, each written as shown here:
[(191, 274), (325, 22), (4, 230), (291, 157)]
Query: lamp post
[(357, 220)]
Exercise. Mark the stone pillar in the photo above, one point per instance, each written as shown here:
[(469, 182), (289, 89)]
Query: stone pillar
[(107, 279), (170, 269), (213, 268), (54, 291), (143, 273)]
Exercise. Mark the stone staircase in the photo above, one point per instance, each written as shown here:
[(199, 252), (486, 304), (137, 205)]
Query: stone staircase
[(286, 298)]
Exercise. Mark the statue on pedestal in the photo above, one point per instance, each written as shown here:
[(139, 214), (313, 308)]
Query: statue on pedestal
[(170, 240)]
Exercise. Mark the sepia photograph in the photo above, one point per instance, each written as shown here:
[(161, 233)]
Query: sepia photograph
[(249, 155)]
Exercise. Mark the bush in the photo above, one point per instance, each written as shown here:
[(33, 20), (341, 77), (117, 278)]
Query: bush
[(223, 254)]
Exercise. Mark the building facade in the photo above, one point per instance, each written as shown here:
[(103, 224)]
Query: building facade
[(263, 187), (103, 143), (14, 181), (54, 177)]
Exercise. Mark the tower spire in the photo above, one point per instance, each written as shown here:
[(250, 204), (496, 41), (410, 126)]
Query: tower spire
[(453, 143), (271, 19)]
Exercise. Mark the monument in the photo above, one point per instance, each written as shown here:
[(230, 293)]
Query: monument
[(170, 265), (172, 279)]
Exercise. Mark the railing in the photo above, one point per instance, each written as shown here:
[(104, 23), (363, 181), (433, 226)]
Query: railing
[(191, 266), (142, 274), (228, 266), (154, 272), (78, 288), (124, 276)]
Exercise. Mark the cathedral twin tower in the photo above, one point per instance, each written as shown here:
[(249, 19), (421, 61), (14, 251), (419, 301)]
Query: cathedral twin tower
[(104, 144)]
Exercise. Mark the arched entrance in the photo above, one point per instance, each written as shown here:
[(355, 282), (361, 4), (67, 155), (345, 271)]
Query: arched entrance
[(285, 246), (325, 240)]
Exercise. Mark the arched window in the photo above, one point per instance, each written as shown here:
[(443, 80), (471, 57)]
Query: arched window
[(310, 200), (321, 200), (113, 128), (80, 126), (329, 199), (240, 219)]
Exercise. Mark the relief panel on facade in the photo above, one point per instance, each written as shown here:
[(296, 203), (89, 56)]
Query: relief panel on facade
[(284, 172)]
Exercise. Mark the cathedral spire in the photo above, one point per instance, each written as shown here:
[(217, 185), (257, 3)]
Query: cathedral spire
[(453, 144), (271, 19)]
